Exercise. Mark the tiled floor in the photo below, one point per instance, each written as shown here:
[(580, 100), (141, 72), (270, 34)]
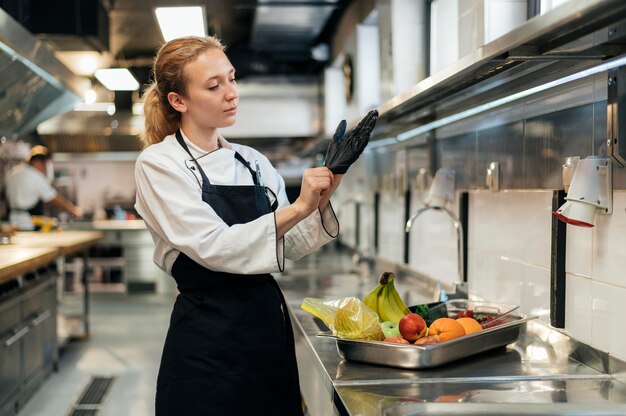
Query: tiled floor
[(126, 342)]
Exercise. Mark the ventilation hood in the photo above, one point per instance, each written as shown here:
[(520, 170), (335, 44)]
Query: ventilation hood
[(34, 85)]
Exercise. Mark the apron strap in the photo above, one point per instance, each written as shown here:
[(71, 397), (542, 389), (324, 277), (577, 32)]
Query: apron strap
[(247, 165), (257, 182), (205, 179)]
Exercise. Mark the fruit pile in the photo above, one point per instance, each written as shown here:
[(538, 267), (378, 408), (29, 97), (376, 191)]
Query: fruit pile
[(401, 326)]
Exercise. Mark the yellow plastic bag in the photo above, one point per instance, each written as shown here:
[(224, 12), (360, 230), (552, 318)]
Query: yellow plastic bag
[(348, 317)]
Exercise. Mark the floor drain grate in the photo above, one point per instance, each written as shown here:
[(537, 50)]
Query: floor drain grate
[(92, 397)]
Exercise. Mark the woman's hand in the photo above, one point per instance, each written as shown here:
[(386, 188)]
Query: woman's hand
[(325, 197), (317, 186)]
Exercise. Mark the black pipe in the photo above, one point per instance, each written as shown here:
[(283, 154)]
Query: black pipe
[(557, 264)]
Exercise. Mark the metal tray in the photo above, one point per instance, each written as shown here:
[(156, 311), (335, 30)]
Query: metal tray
[(433, 355)]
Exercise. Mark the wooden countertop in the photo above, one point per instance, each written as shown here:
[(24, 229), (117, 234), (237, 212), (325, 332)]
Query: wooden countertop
[(67, 242), (15, 261), (107, 225), (119, 225)]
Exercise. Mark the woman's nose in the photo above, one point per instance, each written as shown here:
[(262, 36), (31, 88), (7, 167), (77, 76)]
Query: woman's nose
[(232, 93)]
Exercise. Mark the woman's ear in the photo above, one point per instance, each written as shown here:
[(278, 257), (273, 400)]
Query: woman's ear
[(177, 102)]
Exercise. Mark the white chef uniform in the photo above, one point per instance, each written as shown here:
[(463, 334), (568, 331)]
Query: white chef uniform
[(169, 199), (25, 187)]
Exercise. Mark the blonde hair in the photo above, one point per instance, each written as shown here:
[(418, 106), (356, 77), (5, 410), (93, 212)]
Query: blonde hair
[(161, 119)]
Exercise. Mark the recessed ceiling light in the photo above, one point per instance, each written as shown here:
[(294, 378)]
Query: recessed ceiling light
[(96, 107), (176, 22), (117, 79)]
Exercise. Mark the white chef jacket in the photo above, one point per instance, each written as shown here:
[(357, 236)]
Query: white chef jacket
[(25, 187), (169, 199)]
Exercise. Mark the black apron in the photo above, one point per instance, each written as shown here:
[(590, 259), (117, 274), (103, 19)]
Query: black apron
[(38, 209), (229, 348)]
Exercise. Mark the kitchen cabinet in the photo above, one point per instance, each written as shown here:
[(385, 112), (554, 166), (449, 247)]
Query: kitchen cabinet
[(10, 333), (28, 341)]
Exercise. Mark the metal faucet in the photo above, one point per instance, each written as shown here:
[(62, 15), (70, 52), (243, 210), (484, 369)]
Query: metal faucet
[(457, 226)]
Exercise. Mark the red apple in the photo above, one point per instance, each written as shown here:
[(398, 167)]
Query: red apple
[(396, 340), (412, 327)]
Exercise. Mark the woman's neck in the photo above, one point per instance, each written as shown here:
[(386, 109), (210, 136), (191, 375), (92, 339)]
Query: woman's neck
[(204, 138)]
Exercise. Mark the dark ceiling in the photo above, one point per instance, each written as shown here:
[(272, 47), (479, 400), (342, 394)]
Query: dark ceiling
[(271, 37)]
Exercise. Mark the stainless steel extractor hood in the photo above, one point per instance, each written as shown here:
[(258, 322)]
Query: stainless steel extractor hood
[(34, 85)]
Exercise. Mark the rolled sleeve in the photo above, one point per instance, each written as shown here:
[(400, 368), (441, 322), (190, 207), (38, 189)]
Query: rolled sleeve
[(310, 234)]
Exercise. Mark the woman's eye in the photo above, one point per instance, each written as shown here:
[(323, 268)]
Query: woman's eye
[(233, 80), (213, 87)]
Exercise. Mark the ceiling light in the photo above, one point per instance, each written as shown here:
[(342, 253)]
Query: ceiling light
[(117, 79), (90, 96), (108, 108), (83, 63), (176, 22)]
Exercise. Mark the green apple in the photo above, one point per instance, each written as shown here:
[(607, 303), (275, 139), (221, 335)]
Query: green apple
[(390, 329)]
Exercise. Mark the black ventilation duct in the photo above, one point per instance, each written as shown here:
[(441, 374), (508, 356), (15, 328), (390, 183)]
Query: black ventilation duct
[(70, 25)]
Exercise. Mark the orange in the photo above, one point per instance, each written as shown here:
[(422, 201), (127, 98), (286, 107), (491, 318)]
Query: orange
[(471, 325), (446, 329)]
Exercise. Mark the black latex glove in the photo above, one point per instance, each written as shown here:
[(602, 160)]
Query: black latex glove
[(344, 150)]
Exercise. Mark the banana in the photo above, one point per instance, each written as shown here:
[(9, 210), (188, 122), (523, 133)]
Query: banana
[(371, 300), (385, 300), (395, 306)]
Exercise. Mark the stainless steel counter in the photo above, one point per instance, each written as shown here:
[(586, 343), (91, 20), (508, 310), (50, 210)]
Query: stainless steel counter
[(544, 372)]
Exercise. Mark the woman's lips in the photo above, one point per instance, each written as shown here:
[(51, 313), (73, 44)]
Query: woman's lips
[(231, 110)]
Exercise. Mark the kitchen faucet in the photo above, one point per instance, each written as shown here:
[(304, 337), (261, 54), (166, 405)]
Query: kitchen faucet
[(459, 236)]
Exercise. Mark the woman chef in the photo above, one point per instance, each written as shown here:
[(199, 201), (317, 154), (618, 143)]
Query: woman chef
[(221, 221)]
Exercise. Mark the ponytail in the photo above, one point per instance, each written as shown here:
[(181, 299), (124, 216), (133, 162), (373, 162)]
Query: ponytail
[(161, 119)]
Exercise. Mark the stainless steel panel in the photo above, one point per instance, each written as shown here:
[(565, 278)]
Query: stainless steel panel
[(9, 368), (35, 86), (504, 144), (9, 315), (9, 350), (460, 153), (540, 397), (512, 409), (40, 343)]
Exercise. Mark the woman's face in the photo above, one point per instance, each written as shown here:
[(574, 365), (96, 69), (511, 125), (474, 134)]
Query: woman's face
[(211, 98)]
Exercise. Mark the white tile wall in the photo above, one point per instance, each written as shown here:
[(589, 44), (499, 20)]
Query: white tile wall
[(578, 307), (390, 227), (509, 248), (609, 244), (509, 239), (608, 326), (513, 224), (578, 252), (509, 260), (501, 279), (433, 247)]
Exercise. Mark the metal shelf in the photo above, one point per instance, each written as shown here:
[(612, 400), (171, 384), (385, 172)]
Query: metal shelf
[(567, 39)]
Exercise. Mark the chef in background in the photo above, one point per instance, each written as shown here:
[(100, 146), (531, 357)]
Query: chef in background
[(28, 188)]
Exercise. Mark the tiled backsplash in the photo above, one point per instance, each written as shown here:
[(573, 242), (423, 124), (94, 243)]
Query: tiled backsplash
[(509, 248), (596, 281), (509, 232), (509, 238)]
